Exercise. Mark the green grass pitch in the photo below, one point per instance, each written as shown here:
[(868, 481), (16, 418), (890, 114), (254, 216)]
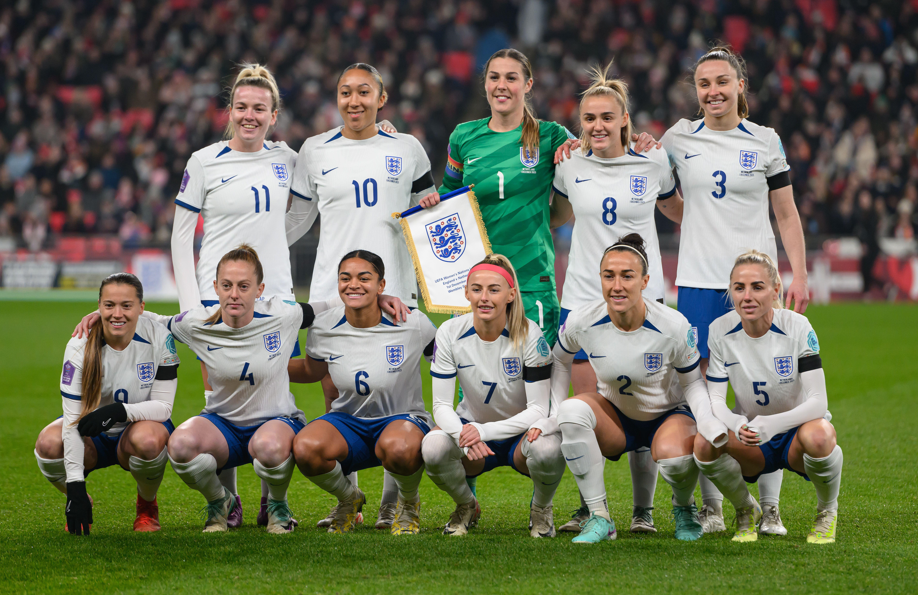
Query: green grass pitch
[(869, 354)]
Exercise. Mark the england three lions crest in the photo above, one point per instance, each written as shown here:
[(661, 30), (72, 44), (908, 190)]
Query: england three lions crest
[(653, 361), (272, 341), (512, 366), (145, 372), (395, 354), (784, 366), (638, 185), (529, 159), (748, 159), (447, 239), (280, 171), (394, 165)]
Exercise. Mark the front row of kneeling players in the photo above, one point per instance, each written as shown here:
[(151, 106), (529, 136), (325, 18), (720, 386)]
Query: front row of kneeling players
[(118, 385)]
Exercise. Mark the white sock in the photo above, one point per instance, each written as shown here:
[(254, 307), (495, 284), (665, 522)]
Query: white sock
[(54, 470), (276, 478), (682, 474), (389, 488), (228, 480), (352, 477), (148, 474), (770, 487), (335, 483), (725, 473), (443, 462), (710, 495), (546, 467), (582, 454), (200, 474), (643, 477), (825, 474), (408, 484)]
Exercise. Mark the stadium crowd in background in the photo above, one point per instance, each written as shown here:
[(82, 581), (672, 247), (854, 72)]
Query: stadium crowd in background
[(103, 102)]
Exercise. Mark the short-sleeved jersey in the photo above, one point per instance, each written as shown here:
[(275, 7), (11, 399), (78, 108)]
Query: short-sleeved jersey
[(635, 370), (357, 185), (513, 189), (764, 372), (127, 375), (376, 370), (610, 199), (492, 374), (247, 367), (725, 183), (243, 199)]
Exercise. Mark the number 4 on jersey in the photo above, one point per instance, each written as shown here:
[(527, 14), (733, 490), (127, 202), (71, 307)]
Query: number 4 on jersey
[(243, 377)]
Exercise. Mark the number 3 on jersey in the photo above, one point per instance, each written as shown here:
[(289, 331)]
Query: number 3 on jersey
[(721, 183)]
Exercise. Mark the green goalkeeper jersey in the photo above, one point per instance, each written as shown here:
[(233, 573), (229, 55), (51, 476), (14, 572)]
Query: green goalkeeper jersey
[(513, 188)]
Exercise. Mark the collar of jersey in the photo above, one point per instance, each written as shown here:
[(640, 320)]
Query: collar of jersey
[(772, 328), (608, 320), (136, 337), (382, 320), (472, 332)]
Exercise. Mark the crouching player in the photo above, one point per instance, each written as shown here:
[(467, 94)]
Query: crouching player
[(638, 348), (771, 357), (504, 366), (379, 417), (117, 389)]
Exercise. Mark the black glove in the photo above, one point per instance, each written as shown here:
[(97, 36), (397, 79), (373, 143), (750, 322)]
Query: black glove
[(79, 508), (102, 419)]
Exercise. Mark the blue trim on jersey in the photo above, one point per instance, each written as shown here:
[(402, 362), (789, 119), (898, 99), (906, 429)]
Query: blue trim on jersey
[(260, 315), (141, 339), (298, 195), (223, 152), (340, 322), (336, 137), (589, 153), (438, 375), (71, 397), (647, 324), (631, 152), (316, 359), (556, 191), (700, 127), (735, 329), (663, 196), (566, 350), (776, 329), (713, 379), (381, 133), (688, 369), (472, 332), (603, 320), (743, 128), (209, 303), (580, 356), (187, 206), (267, 147), (385, 321)]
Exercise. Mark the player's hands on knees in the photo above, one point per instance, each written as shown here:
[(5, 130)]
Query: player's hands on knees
[(645, 142), (748, 436), (82, 329), (479, 450), (564, 151), (386, 126), (533, 434), (102, 419), (799, 294), (394, 307), (430, 200), (78, 509)]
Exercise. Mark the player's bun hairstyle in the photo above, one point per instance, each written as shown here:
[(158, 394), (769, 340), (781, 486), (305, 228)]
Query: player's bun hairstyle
[(244, 253), (374, 260), (252, 75), (726, 53), (603, 85), (771, 271), (92, 351), (375, 73), (530, 137), (516, 311), (634, 243)]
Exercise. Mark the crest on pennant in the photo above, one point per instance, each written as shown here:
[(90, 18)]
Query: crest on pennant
[(529, 159), (145, 371), (395, 354), (512, 366), (748, 159), (638, 185), (653, 361), (393, 165), (272, 341), (280, 171), (447, 239), (784, 366)]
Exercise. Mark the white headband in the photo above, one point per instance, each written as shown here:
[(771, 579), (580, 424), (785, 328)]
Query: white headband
[(616, 246)]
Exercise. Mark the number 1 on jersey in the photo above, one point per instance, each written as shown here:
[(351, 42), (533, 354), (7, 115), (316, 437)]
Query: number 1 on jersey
[(500, 185)]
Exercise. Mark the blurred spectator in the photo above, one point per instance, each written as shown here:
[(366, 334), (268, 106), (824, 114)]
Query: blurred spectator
[(867, 230)]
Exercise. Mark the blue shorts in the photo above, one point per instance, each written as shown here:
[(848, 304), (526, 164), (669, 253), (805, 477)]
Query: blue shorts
[(702, 307), (775, 453), (503, 453), (296, 347), (107, 448), (237, 437), (361, 436), (581, 355), (639, 434)]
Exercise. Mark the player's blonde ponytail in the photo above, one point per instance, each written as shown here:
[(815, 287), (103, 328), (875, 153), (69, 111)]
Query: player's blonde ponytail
[(530, 136), (603, 85), (244, 253), (771, 271), (252, 75), (517, 324)]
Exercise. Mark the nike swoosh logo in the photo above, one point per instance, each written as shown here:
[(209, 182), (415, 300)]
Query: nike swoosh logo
[(466, 366), (225, 180), (574, 459), (105, 423), (328, 171), (728, 365), (831, 479), (596, 356), (68, 507), (209, 348), (331, 359), (578, 180), (470, 161), (687, 156)]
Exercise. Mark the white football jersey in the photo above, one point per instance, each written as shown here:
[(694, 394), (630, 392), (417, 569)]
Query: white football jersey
[(243, 199), (724, 178), (357, 185), (376, 370), (635, 370), (492, 374), (611, 198), (247, 367), (764, 372)]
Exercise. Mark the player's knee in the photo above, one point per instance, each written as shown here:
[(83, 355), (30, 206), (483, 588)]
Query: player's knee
[(147, 444), (576, 412), (307, 451), (269, 450), (818, 438), (704, 450), (49, 444), (183, 446), (437, 447), (545, 450), (661, 450), (399, 456)]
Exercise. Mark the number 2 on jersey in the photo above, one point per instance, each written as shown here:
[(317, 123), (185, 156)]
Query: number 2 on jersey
[(267, 199), (721, 184)]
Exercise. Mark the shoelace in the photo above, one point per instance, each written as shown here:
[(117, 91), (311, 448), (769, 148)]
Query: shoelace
[(212, 510), (588, 524), (771, 515), (645, 514), (823, 525), (582, 511), (455, 518), (387, 511), (684, 513), (749, 514), (280, 510)]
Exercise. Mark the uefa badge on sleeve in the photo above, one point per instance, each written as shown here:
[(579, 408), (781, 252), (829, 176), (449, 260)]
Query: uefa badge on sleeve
[(145, 371), (395, 354), (272, 341), (447, 240), (512, 366), (784, 366)]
